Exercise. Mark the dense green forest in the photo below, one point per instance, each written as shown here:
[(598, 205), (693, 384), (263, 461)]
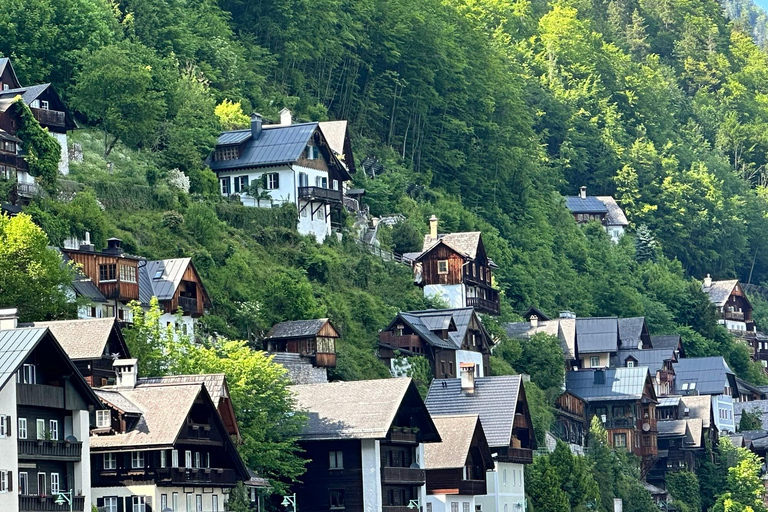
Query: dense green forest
[(749, 16)]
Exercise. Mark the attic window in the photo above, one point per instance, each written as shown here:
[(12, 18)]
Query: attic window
[(630, 364), (312, 152), (442, 266), (158, 274), (44, 105), (227, 153)]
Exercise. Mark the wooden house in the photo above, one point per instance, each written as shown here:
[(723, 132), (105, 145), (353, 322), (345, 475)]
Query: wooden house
[(603, 209), (571, 420), (457, 466), (446, 337), (365, 444), (732, 305), (313, 339)]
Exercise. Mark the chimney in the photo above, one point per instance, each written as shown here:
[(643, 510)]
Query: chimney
[(87, 245), (8, 319), (707, 281), (583, 192), (467, 371), (433, 227), (286, 119), (534, 321), (114, 246), (126, 373), (256, 125)]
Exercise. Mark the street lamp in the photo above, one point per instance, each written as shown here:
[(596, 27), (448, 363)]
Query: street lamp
[(64, 497), (414, 504), (289, 500)]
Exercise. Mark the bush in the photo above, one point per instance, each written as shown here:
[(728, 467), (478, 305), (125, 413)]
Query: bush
[(172, 219)]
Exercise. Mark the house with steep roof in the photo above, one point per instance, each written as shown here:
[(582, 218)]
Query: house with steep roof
[(365, 444), (713, 377), (448, 338), (660, 363), (759, 407), (313, 340), (603, 209), (501, 404), (455, 268), (291, 164), (731, 303), (571, 421), (161, 444), (671, 342), (45, 417), (457, 466)]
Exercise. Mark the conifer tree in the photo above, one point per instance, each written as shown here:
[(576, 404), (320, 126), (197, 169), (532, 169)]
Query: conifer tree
[(645, 245)]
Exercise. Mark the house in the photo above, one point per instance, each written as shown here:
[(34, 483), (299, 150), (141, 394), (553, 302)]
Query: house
[(291, 163), (456, 269), (501, 404), (457, 466), (749, 392), (161, 445), (672, 342), (660, 363), (446, 337), (603, 209), (733, 307), (710, 376), (571, 421), (313, 340), (92, 344), (625, 401), (365, 444), (45, 407)]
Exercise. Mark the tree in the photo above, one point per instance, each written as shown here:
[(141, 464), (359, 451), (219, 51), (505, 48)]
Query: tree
[(750, 420), (542, 359), (645, 244), (41, 151), (576, 477), (415, 367), (744, 487), (231, 116), (683, 486), (406, 238), (543, 486), (33, 277), (238, 500)]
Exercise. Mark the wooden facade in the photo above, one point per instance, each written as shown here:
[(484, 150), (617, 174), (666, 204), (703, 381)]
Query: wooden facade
[(571, 419), (121, 273), (190, 295), (320, 347), (468, 479)]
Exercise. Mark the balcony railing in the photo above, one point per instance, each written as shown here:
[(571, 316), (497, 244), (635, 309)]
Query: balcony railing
[(619, 423), (41, 449), (180, 476), (325, 360), (484, 305), (188, 305), (406, 341), (39, 395), (48, 503), (520, 455), (472, 488), (49, 117), (407, 476), (27, 189), (403, 437), (321, 194)]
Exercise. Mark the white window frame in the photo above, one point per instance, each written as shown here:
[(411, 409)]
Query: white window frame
[(163, 502), (109, 460), (139, 504), (273, 181), (3, 481), (40, 425), (594, 361), (630, 364), (190, 502), (197, 459), (215, 503), (44, 105), (198, 503), (55, 488), (24, 483), (110, 504), (21, 428), (101, 415), (137, 458), (53, 426), (27, 374), (440, 264), (3, 419), (163, 462), (207, 459), (174, 458), (187, 458)]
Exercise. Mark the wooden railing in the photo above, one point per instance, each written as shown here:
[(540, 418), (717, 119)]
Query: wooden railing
[(49, 117), (405, 342), (27, 189), (520, 455), (325, 360), (50, 450), (320, 193), (734, 315), (48, 503), (39, 395), (188, 305), (196, 476), (398, 436), (619, 423), (484, 305), (408, 476), (472, 488)]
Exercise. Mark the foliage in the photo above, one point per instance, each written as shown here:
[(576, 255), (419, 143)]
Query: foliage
[(750, 420), (231, 116), (542, 414), (41, 150), (744, 488), (542, 358), (238, 500), (645, 244), (406, 238), (417, 368), (542, 484), (683, 486)]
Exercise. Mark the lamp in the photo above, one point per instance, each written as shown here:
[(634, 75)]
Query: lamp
[(414, 504), (289, 500), (64, 497)]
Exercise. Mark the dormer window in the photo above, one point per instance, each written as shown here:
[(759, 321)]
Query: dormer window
[(108, 272), (44, 104), (630, 363), (103, 419), (6, 87), (158, 274), (227, 153)]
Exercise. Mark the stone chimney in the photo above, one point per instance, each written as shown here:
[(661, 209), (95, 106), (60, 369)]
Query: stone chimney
[(255, 126), (9, 319), (433, 227), (467, 371), (87, 245), (126, 373), (534, 321), (583, 192), (286, 119), (707, 281), (114, 246)]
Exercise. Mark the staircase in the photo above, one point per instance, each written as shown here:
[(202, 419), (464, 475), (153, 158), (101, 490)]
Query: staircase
[(300, 369)]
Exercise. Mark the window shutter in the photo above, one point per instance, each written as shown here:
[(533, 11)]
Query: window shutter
[(99, 502), (148, 503), (244, 182), (8, 426), (121, 504), (10, 481), (277, 180)]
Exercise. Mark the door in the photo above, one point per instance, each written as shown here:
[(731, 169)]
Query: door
[(42, 490)]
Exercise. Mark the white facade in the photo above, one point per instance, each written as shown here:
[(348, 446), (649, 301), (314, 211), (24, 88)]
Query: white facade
[(371, 469), (506, 489), (178, 499), (722, 408), (476, 358), (615, 232), (445, 502), (9, 500), (61, 138), (733, 325), (454, 295)]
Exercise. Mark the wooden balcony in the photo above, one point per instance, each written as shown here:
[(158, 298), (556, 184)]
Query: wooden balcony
[(49, 117), (734, 315), (39, 395), (472, 488), (325, 360), (325, 195), (484, 305), (27, 189), (398, 436), (188, 305), (404, 476), (40, 449), (406, 342), (199, 476), (621, 423), (519, 455), (48, 503)]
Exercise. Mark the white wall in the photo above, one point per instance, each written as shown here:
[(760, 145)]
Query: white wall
[(722, 408), (442, 502), (371, 455), (453, 294), (155, 493), (82, 483), (506, 486), (64, 160), (733, 325), (9, 501), (615, 232), (467, 356), (186, 320), (587, 363)]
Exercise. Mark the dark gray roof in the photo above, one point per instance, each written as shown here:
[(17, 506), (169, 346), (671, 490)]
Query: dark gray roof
[(719, 291), (4, 135), (494, 400), (745, 386), (28, 94), (709, 374), (146, 291), (15, 346), (164, 287), (296, 329), (652, 358), (594, 335), (631, 331), (85, 288), (437, 319), (276, 145), (619, 384), (590, 204), (760, 406), (670, 341), (422, 329), (615, 216)]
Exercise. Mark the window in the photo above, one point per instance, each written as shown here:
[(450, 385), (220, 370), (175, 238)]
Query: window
[(215, 503), (207, 460), (594, 361), (24, 483), (273, 181), (336, 459), (110, 504), (175, 502), (429, 507), (3, 481), (442, 266), (174, 458), (188, 459), (127, 273), (504, 477), (27, 374), (454, 507), (190, 502), (139, 503), (337, 498), (465, 506), (197, 459), (53, 426), (108, 272), (110, 461), (3, 425), (40, 424), (303, 179), (199, 503), (163, 459), (619, 440), (312, 152), (630, 364), (41, 488), (685, 386), (224, 185), (6, 87), (54, 483), (44, 104), (241, 183), (103, 419), (227, 153), (321, 182), (137, 460), (335, 184)]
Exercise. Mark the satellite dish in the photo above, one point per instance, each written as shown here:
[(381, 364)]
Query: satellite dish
[(71, 439), (646, 427), (415, 465)]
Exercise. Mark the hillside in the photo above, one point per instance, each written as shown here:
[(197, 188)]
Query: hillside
[(751, 16)]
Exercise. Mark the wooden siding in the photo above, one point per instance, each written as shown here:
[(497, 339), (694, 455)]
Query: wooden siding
[(430, 273), (191, 286), (314, 492), (117, 289)]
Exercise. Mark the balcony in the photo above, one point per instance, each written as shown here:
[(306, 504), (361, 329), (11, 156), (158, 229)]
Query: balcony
[(326, 195), (188, 305), (406, 342), (325, 360), (472, 488), (27, 189), (398, 436), (199, 476), (484, 305), (50, 450), (519, 455), (734, 315), (620, 423), (39, 395), (49, 117), (47, 503), (403, 476)]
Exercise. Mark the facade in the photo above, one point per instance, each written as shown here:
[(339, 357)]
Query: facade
[(45, 417), (710, 376), (571, 421), (313, 340), (292, 164), (509, 434), (365, 445), (161, 445), (457, 466), (448, 338), (660, 363), (603, 209), (456, 269), (733, 307)]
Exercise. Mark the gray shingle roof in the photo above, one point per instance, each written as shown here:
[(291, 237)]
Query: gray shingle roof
[(28, 94), (494, 400), (456, 433), (652, 358), (595, 335), (619, 384), (439, 319), (720, 291), (689, 429), (422, 330), (15, 346), (698, 407), (590, 204), (83, 338), (296, 329), (117, 400), (631, 331), (276, 145), (615, 216), (709, 374), (667, 341), (334, 132), (215, 383), (464, 243)]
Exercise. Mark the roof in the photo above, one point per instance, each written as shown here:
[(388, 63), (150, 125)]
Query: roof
[(760, 406), (276, 145), (668, 401), (296, 329), (690, 429), (215, 383), (4, 135), (172, 272), (590, 204), (719, 291), (83, 338), (418, 325), (619, 384), (594, 335), (86, 288), (563, 328), (745, 386), (666, 341), (439, 319), (117, 400), (652, 358), (631, 331), (363, 409), (699, 407), (335, 133), (494, 400), (615, 215), (463, 243), (456, 433), (28, 94), (670, 428), (709, 374)]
